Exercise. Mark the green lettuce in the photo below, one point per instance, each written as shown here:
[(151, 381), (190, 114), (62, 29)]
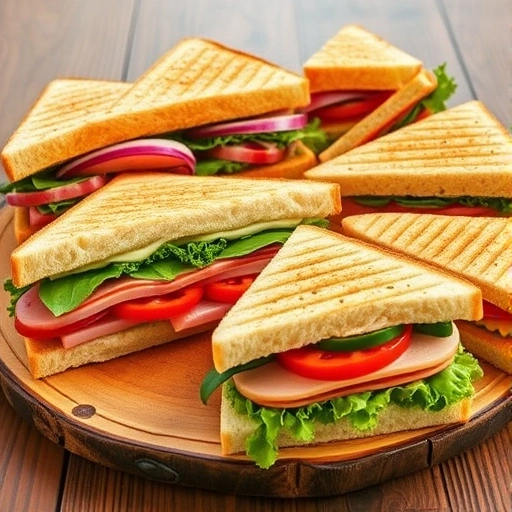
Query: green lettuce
[(311, 135), (63, 294), (502, 205), (436, 101), (362, 410)]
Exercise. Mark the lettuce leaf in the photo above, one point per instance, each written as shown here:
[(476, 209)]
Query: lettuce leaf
[(311, 135), (362, 410), (436, 101), (502, 205)]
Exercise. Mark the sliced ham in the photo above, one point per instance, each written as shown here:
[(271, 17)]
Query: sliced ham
[(33, 313), (203, 313), (274, 386), (104, 326)]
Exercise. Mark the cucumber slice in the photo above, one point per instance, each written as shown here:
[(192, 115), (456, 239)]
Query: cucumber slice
[(439, 329), (361, 341)]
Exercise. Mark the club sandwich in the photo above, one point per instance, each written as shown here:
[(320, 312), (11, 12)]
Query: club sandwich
[(477, 249), (202, 108), (362, 86), (456, 162), (337, 339), (148, 258)]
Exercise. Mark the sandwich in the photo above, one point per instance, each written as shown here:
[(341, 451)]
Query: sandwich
[(477, 249), (337, 339), (456, 162), (148, 258), (362, 87), (202, 108)]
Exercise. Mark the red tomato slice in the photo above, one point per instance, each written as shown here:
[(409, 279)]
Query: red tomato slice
[(492, 311), (314, 363), (352, 108), (228, 290), (162, 307), (46, 333), (55, 194), (251, 153)]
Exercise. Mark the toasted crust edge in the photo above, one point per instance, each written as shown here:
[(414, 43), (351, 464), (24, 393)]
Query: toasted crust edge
[(47, 358), (486, 345)]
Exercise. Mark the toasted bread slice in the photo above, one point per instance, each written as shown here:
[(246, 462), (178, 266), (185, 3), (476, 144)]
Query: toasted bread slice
[(196, 82), (461, 151), (135, 210), (383, 116), (322, 284), (355, 59), (478, 249), (486, 345), (51, 357)]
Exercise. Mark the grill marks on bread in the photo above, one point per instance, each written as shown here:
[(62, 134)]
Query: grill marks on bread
[(322, 284), (461, 151), (477, 248)]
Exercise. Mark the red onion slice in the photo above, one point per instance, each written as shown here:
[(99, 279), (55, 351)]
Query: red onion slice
[(136, 155), (257, 125), (324, 99)]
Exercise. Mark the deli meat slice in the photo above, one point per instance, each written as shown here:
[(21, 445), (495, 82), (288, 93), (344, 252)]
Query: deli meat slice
[(274, 386), (32, 312)]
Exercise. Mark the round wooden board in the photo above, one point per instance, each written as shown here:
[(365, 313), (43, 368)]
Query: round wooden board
[(142, 414)]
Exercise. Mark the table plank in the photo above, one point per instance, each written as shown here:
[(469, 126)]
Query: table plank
[(265, 28), (31, 465), (482, 33), (479, 478)]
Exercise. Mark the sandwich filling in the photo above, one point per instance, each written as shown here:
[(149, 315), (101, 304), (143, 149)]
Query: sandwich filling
[(465, 205), (223, 148), (339, 111), (496, 320), (294, 391), (190, 283)]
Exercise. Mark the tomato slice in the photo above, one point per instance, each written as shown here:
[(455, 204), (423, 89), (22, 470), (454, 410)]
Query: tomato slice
[(162, 307), (352, 108), (55, 194), (314, 363), (492, 311), (250, 152), (46, 333), (228, 290)]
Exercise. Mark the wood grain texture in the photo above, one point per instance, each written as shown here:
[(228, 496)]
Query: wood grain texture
[(30, 467), (482, 36)]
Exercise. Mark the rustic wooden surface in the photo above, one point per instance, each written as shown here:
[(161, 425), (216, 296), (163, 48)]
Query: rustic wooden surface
[(119, 39)]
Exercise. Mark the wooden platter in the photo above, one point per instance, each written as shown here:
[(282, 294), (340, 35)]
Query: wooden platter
[(142, 414)]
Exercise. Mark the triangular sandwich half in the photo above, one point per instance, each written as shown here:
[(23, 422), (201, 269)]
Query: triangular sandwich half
[(148, 258), (362, 86), (477, 249), (84, 130), (312, 342), (456, 162)]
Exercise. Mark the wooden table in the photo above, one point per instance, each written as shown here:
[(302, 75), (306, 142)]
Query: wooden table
[(118, 39)]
